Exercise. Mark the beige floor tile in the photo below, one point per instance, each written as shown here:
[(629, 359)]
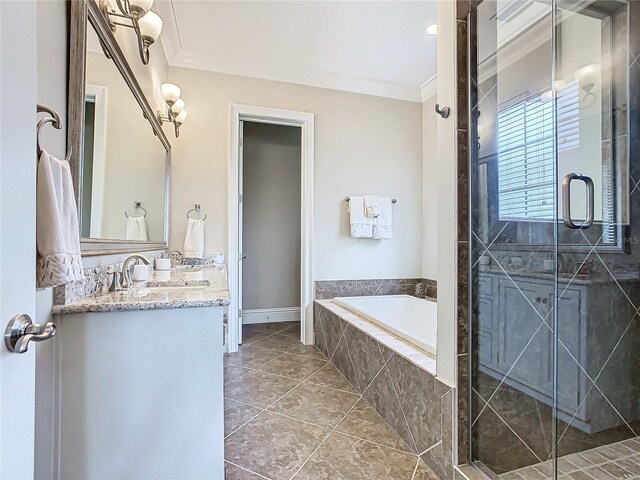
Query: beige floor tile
[(364, 422), (315, 404), (308, 351), (423, 472), (232, 472), (252, 336), (599, 474), (236, 414), (250, 357), (273, 445), (616, 471), (293, 332), (293, 366), (281, 343), (329, 376), (231, 372), (259, 389), (346, 458)]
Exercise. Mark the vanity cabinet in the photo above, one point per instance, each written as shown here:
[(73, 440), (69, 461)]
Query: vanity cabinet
[(515, 340)]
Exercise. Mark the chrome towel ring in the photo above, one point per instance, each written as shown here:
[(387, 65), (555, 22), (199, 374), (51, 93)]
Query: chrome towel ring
[(196, 208), (137, 206)]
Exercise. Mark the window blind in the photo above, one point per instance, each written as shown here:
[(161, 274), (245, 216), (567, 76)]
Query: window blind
[(526, 158)]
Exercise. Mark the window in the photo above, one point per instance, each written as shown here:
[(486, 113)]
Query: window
[(526, 160)]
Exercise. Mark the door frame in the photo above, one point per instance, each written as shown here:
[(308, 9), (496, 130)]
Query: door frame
[(274, 116)]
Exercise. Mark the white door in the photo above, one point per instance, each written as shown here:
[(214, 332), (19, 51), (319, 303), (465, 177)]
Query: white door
[(241, 254), (18, 75)]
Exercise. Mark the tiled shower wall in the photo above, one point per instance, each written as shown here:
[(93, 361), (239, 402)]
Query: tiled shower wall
[(410, 399), (463, 63), (419, 287)]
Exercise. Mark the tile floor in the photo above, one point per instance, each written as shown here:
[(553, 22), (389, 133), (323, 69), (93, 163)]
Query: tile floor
[(620, 460), (289, 414)]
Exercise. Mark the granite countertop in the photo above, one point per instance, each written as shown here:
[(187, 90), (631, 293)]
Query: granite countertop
[(579, 279), (194, 287)]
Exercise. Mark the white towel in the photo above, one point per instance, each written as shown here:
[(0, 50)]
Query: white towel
[(57, 231), (361, 225), (137, 228), (382, 224), (194, 239), (372, 206)]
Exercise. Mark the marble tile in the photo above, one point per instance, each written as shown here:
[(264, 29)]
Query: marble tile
[(418, 401), (293, 366), (364, 422), (231, 372), (382, 397), (293, 331), (315, 404), (333, 327), (348, 458), (259, 389), (308, 351), (329, 376), (233, 472), (250, 357), (423, 472), (343, 362), (282, 343), (366, 355), (320, 338), (237, 414), (273, 446), (326, 289)]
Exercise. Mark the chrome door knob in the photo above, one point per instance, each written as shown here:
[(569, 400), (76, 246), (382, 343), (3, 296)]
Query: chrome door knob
[(21, 330)]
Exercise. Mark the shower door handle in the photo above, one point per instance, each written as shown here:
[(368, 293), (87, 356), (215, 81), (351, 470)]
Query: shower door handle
[(566, 201)]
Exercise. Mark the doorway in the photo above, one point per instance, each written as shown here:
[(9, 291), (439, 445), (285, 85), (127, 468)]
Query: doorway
[(270, 265), (270, 213)]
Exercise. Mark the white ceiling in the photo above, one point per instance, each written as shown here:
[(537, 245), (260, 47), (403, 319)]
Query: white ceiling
[(373, 47)]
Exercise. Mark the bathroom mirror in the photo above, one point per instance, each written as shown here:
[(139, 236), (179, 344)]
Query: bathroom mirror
[(519, 139), (121, 157)]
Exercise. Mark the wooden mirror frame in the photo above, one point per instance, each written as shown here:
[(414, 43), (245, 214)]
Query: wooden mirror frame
[(83, 12)]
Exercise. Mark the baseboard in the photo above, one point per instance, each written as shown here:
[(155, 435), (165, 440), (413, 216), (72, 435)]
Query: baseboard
[(264, 315)]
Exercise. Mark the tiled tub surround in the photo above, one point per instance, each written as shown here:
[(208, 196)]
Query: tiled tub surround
[(397, 379), (211, 290), (418, 287), (289, 414)]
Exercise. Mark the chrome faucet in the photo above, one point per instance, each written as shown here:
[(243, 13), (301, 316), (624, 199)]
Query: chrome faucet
[(126, 269)]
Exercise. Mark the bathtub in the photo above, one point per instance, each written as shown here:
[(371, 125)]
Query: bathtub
[(410, 318)]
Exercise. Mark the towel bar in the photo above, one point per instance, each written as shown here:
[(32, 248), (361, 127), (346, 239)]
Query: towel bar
[(54, 120), (347, 199)]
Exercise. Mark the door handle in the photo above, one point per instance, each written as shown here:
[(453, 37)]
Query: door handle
[(21, 330), (566, 201)]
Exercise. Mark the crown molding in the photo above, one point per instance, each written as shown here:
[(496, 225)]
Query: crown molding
[(429, 88)]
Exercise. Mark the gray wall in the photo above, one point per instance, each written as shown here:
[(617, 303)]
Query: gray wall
[(271, 216)]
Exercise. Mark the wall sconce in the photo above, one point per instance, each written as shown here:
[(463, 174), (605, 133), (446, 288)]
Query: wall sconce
[(176, 113), (145, 23)]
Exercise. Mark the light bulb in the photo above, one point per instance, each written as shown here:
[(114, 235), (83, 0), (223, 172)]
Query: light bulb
[(150, 26), (588, 76), (170, 93), (181, 117), (177, 107), (140, 7), (432, 30)]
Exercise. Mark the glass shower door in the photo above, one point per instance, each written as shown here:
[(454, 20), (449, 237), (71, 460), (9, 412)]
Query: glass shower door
[(598, 295), (513, 236), (555, 251)]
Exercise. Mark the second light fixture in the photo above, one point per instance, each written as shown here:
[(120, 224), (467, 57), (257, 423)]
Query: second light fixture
[(176, 113)]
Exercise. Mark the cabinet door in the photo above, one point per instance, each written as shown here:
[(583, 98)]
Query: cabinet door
[(525, 345), (487, 338), (570, 376)]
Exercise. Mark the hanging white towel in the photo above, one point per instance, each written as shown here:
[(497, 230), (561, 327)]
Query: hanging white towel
[(361, 225), (57, 231), (137, 228), (382, 224), (372, 206), (194, 239)]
